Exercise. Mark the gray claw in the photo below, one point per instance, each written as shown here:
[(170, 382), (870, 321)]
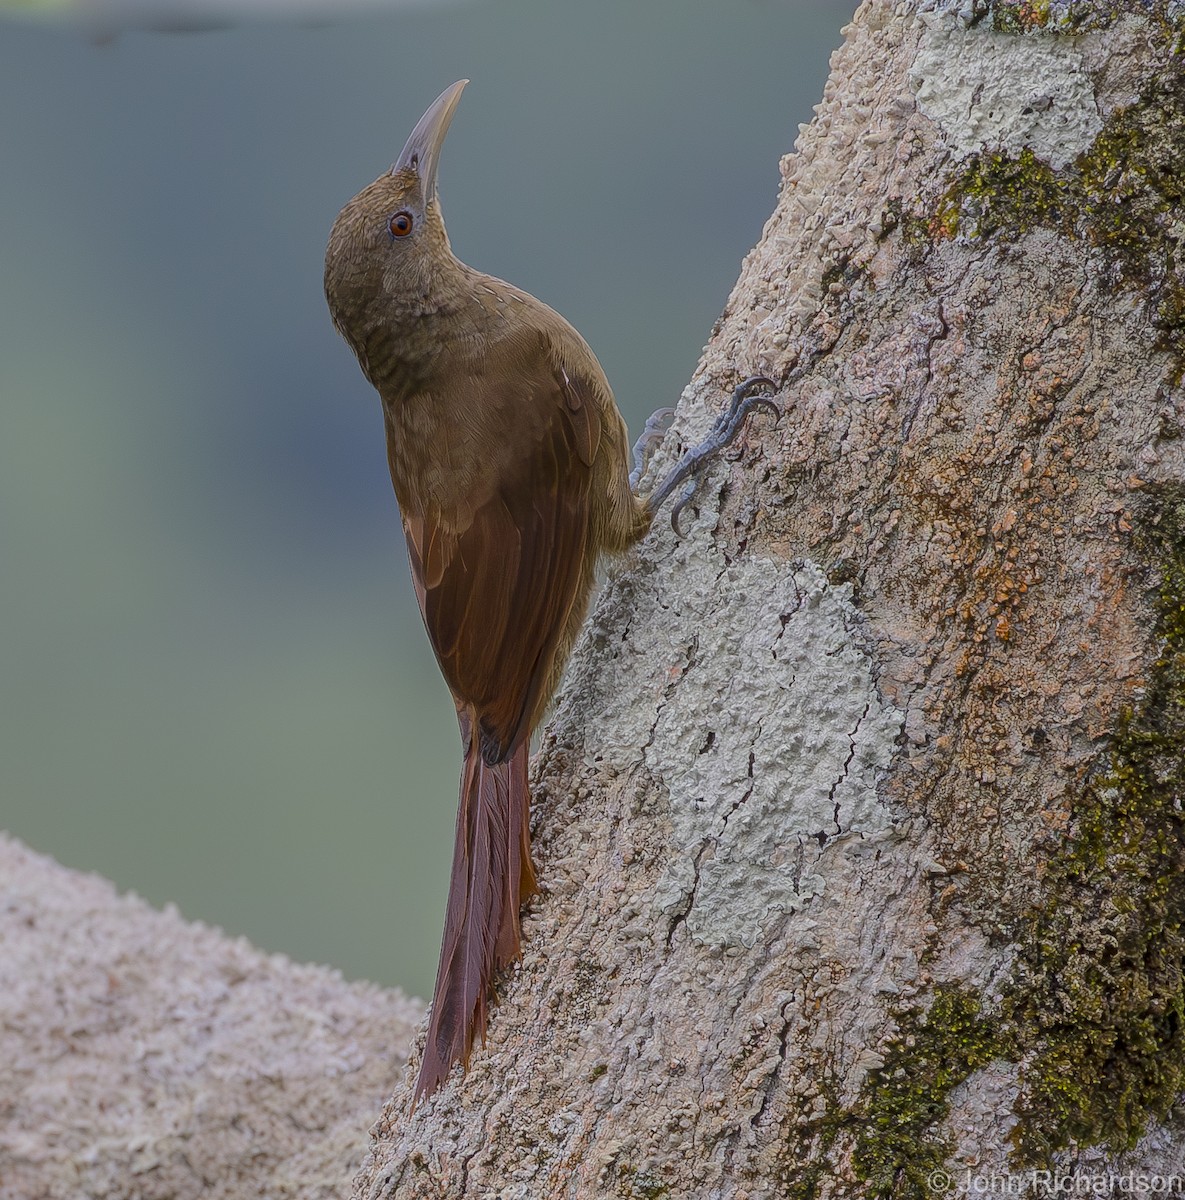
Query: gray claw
[(680, 504), (745, 398), (742, 391)]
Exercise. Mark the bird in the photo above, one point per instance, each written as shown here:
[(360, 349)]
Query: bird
[(513, 474)]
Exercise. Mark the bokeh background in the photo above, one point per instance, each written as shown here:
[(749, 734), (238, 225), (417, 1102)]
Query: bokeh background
[(214, 687)]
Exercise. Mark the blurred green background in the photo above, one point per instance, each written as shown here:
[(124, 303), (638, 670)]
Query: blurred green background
[(215, 687)]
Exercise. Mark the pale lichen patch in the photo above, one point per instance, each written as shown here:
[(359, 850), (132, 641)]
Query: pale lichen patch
[(767, 770), (995, 91)]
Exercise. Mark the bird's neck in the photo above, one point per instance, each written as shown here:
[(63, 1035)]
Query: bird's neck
[(404, 333)]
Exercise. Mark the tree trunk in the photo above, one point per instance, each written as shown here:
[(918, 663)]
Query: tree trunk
[(860, 820)]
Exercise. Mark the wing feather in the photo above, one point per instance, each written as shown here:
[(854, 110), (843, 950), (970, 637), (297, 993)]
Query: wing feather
[(496, 587)]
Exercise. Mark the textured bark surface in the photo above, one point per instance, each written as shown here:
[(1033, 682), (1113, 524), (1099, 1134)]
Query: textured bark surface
[(859, 820), (145, 1057)]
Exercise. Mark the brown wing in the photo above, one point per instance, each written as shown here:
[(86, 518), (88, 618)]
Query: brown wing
[(496, 587)]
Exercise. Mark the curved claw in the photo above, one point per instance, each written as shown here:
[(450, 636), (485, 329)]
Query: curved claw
[(741, 392), (724, 431), (729, 424), (747, 385), (680, 504), (766, 402)]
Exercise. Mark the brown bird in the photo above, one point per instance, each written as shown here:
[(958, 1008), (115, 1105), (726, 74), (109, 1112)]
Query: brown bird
[(511, 466)]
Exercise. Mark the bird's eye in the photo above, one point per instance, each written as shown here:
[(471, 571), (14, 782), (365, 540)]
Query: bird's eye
[(400, 224)]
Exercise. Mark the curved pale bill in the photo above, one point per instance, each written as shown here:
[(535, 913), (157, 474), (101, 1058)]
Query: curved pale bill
[(422, 152)]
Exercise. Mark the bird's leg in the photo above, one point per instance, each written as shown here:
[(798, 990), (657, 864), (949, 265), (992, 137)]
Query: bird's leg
[(652, 433), (753, 393)]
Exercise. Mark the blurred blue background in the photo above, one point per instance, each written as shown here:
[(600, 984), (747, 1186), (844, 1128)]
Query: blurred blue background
[(215, 688)]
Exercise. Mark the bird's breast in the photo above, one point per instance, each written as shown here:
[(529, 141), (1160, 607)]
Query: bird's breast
[(436, 462)]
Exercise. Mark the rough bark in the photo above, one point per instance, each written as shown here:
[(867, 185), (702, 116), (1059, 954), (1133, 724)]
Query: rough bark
[(860, 819), (146, 1058), (859, 822)]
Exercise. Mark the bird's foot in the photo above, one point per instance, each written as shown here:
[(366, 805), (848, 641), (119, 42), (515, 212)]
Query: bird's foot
[(752, 393), (652, 433)]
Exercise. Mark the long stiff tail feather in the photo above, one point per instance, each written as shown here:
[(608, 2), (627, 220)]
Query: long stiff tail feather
[(491, 877)]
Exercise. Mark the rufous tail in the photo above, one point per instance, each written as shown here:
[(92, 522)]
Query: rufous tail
[(492, 876)]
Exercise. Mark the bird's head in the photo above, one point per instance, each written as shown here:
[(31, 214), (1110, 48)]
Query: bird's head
[(388, 244)]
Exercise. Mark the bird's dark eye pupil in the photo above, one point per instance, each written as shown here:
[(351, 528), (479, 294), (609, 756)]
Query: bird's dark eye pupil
[(400, 224)]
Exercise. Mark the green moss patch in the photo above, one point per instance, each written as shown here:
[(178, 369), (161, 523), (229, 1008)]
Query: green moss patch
[(897, 1148), (1098, 1007), (1094, 1013), (1123, 197), (1101, 991), (1095, 1009), (1062, 16), (890, 1135)]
